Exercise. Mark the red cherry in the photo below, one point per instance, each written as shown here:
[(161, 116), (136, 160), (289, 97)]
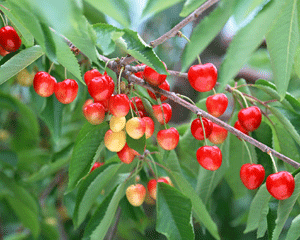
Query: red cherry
[(119, 105), (127, 154), (153, 77), (152, 184), (87, 102), (238, 126), (3, 52), (167, 109), (138, 103), (9, 39), (218, 134), (101, 88), (44, 84), (209, 157), (203, 78), (250, 118), (165, 86), (94, 113), (96, 165), (252, 175), (140, 74), (280, 185), (105, 103), (149, 127), (66, 91), (89, 75), (168, 138), (197, 130), (216, 104)]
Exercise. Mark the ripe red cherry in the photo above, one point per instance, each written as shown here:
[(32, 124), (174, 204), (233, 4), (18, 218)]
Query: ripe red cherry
[(209, 157), (138, 103), (152, 184), (216, 104), (9, 39), (127, 154), (280, 185), (167, 109), (153, 77), (101, 88), (252, 175), (197, 130), (3, 52), (119, 105), (44, 84), (218, 134), (168, 138), (238, 126), (94, 113), (149, 127), (165, 86), (96, 165), (89, 75), (66, 91), (87, 102), (250, 118), (203, 78)]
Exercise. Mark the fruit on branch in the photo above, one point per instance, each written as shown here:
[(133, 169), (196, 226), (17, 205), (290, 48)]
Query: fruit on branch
[(167, 110), (127, 154), (105, 103), (138, 103), (218, 134), (197, 130), (117, 124), (252, 175), (238, 126), (3, 52), (9, 39), (209, 157), (216, 104), (168, 138), (152, 184), (250, 118), (153, 77), (96, 165), (140, 74), (136, 194), (44, 84), (94, 113), (87, 102), (118, 105), (66, 91), (89, 75), (149, 127), (165, 86), (136, 127), (101, 88), (203, 78), (280, 185), (149, 200), (114, 141)]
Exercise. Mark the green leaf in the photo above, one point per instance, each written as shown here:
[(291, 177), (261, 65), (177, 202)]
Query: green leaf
[(86, 145), (246, 41), (282, 41), (294, 231), (19, 61), (136, 144), (206, 31), (174, 213), (155, 6), (244, 8), (271, 218), (190, 6), (9, 157), (297, 60)]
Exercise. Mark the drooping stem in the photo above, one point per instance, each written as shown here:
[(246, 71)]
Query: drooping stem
[(248, 150), (180, 34), (187, 98), (273, 161), (162, 110), (119, 80), (204, 134), (51, 66)]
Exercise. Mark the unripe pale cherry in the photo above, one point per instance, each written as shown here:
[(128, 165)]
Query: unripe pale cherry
[(96, 165), (209, 157), (66, 91), (9, 39), (152, 184), (117, 124), (165, 86), (167, 109), (197, 129), (101, 88), (216, 104), (136, 127), (114, 141), (153, 77), (218, 134), (94, 113), (44, 84), (136, 194), (89, 75), (119, 105), (250, 118), (127, 154), (149, 127), (168, 138), (252, 175)]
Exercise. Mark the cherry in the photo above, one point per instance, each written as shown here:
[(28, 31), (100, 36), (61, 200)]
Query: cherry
[(101, 88), (135, 127), (44, 84), (152, 184), (139, 74), (168, 138), (197, 130), (216, 104), (218, 134), (165, 86), (280, 185), (158, 113), (250, 118), (153, 77), (149, 126), (66, 91), (89, 75), (238, 126), (114, 141), (138, 103), (3, 52), (118, 105), (117, 124), (9, 39), (87, 102), (94, 113), (127, 154), (136, 194), (252, 175), (105, 103), (203, 78), (96, 165), (209, 157)]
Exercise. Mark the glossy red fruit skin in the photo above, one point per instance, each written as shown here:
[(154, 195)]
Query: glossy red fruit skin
[(89, 75), (152, 184), (158, 113), (252, 175), (9, 39), (216, 104), (238, 126), (153, 77), (250, 118), (105, 103), (280, 185), (149, 127), (44, 84), (66, 91), (101, 88), (87, 102), (127, 154), (94, 113), (218, 134), (168, 138), (203, 78), (197, 130), (118, 105), (165, 86), (3, 52), (209, 157), (96, 165), (138, 103)]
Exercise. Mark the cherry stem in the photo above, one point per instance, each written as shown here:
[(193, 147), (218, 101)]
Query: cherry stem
[(138, 168), (50, 69), (180, 34), (273, 161), (241, 94), (296, 172), (248, 150), (111, 60), (131, 110), (187, 98), (214, 91), (4, 22), (153, 162), (203, 130), (162, 110), (66, 73), (134, 103), (119, 80)]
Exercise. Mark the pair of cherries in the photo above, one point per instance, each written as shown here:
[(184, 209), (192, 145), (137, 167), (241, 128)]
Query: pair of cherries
[(9, 40)]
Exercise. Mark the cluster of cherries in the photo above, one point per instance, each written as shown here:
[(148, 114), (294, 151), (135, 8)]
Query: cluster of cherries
[(9, 40)]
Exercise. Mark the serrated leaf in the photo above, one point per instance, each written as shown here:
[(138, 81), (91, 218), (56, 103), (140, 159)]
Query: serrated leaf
[(190, 6), (19, 61), (246, 41), (155, 6), (282, 41), (294, 231), (136, 144), (174, 213)]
